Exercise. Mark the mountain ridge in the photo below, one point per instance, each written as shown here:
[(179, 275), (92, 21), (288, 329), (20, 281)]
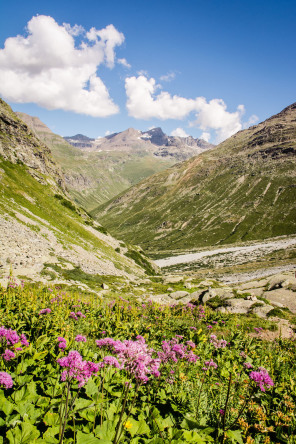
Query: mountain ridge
[(243, 189)]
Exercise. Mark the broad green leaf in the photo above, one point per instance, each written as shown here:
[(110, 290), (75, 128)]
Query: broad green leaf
[(106, 431), (87, 438), (51, 419), (235, 436), (6, 406), (91, 389), (26, 435)]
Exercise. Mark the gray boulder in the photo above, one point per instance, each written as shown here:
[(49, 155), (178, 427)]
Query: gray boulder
[(179, 294)]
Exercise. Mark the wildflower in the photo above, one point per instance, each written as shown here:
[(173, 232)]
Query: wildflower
[(110, 361), (209, 327), (209, 364), (62, 343), (222, 412), (262, 379), (6, 380), (76, 368), (80, 338), (44, 311), (248, 365), (73, 315), (218, 343), (128, 425), (8, 355), (133, 356)]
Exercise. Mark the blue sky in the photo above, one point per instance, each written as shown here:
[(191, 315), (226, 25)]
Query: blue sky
[(205, 68)]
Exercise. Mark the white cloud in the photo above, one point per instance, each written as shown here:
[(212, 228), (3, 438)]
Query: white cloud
[(214, 115), (251, 121), (206, 136), (168, 77), (179, 132), (45, 67), (144, 103), (124, 63)]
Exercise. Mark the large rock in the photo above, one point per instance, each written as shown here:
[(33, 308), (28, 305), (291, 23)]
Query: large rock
[(283, 296), (262, 310), (179, 294), (239, 306), (279, 281), (173, 279)]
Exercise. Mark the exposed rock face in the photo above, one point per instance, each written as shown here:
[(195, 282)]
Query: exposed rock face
[(244, 189), (19, 144)]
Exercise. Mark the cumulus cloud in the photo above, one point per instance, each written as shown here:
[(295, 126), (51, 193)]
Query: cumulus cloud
[(144, 103), (205, 136), (214, 115), (179, 132), (45, 67)]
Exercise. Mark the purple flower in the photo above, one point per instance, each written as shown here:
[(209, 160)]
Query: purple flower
[(248, 365), (133, 356), (110, 361), (222, 412), (62, 343), (10, 337), (80, 338), (76, 368), (44, 311), (8, 355), (218, 343), (262, 379), (6, 380), (209, 364)]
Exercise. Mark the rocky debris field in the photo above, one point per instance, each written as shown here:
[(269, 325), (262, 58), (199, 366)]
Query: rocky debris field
[(270, 297), (26, 250)]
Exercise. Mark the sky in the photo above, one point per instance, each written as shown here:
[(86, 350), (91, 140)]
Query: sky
[(206, 68)]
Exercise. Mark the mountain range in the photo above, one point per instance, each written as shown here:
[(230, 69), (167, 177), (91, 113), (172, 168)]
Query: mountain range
[(244, 189), (96, 170)]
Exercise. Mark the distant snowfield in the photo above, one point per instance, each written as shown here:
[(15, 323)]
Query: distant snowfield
[(264, 247)]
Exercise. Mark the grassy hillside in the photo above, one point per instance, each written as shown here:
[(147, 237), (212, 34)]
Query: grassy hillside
[(95, 177), (245, 189), (41, 226)]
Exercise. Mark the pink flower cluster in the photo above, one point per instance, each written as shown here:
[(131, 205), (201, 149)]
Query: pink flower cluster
[(9, 338), (209, 364), (218, 343), (262, 379), (44, 311), (248, 365), (80, 338), (6, 380), (133, 356), (172, 351), (77, 315), (62, 343), (76, 368)]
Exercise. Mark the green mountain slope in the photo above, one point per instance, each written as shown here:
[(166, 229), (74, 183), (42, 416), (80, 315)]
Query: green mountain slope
[(94, 177), (43, 232), (244, 189)]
